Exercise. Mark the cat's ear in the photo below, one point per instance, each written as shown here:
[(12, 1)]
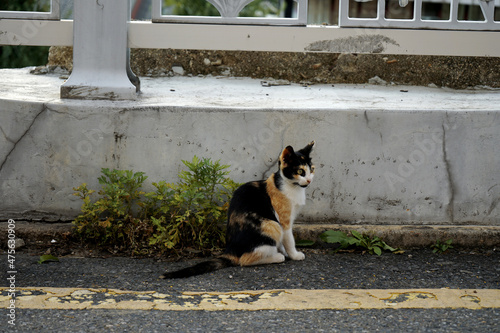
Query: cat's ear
[(307, 149), (286, 156)]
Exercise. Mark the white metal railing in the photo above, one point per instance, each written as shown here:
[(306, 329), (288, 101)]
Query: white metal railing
[(418, 21), (102, 33), (229, 10)]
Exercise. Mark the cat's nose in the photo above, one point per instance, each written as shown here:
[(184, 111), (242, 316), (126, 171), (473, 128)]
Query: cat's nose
[(308, 181)]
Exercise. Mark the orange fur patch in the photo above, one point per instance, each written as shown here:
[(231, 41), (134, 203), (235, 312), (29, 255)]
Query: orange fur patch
[(272, 229), (280, 202), (234, 259), (285, 154), (250, 258), (237, 219)]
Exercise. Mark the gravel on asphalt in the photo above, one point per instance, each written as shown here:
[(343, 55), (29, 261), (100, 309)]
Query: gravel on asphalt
[(413, 269), (387, 321)]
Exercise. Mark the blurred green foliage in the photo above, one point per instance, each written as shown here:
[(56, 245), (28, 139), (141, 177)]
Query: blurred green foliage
[(16, 56), (257, 8), (191, 8), (23, 56)]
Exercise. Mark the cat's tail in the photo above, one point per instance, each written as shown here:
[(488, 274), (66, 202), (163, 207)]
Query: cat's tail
[(200, 268)]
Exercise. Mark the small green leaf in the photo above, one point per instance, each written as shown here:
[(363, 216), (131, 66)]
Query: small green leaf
[(356, 234), (388, 248), (47, 258), (353, 241), (377, 250), (332, 236), (304, 243)]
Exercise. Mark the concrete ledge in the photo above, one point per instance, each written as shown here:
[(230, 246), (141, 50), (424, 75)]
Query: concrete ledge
[(409, 236), (36, 233), (385, 155), (402, 236)]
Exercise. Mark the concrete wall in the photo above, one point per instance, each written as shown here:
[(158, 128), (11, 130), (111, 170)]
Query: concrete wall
[(384, 155)]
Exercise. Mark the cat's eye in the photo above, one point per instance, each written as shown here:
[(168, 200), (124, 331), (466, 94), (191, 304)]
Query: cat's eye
[(301, 172)]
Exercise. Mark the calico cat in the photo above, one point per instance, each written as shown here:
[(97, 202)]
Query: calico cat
[(261, 216)]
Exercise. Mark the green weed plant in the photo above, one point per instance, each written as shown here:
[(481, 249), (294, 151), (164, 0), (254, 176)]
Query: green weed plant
[(174, 217), (192, 212), (441, 247)]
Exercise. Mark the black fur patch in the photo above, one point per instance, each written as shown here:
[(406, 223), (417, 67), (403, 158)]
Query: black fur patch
[(252, 203), (198, 269)]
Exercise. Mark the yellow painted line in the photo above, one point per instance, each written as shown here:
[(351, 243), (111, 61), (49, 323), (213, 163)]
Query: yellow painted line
[(291, 299)]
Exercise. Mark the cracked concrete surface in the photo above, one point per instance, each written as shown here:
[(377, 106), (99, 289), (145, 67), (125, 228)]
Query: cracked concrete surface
[(384, 155), (451, 187), (16, 141), (358, 44)]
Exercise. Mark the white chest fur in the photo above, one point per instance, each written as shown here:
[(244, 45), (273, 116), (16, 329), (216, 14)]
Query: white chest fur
[(297, 196)]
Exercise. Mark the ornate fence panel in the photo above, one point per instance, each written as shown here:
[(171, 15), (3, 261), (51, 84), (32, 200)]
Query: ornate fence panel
[(418, 21)]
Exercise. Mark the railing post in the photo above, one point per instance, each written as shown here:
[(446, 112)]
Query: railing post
[(101, 68)]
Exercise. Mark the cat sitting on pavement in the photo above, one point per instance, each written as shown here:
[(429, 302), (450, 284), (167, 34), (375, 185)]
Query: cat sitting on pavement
[(261, 216)]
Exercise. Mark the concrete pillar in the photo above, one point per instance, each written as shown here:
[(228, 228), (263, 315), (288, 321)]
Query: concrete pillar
[(101, 68)]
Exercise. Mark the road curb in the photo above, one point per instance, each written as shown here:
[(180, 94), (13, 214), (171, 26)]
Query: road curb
[(411, 236), (403, 236)]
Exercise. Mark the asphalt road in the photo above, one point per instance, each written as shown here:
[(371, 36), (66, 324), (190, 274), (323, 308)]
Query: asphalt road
[(412, 270)]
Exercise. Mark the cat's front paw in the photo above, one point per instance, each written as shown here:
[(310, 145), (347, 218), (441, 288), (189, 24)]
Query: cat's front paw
[(297, 256)]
